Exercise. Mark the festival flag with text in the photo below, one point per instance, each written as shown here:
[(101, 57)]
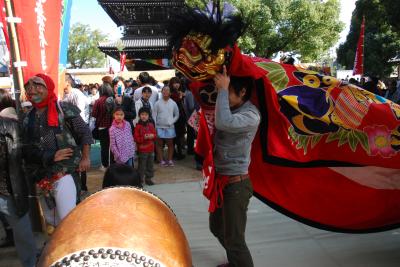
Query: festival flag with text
[(39, 36)]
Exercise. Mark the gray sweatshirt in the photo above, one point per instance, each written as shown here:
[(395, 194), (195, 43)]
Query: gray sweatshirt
[(234, 135), (165, 113)]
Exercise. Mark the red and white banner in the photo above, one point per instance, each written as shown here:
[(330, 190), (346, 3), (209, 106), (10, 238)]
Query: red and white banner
[(4, 23), (359, 60), (39, 36), (122, 60)]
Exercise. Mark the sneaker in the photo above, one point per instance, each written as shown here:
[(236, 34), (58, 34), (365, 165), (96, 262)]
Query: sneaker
[(171, 163), (163, 163)]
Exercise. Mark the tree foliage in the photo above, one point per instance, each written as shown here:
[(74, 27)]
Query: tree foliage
[(381, 39), (82, 49), (392, 8), (308, 27)]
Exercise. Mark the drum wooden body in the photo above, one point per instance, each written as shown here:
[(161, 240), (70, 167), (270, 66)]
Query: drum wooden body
[(119, 226)]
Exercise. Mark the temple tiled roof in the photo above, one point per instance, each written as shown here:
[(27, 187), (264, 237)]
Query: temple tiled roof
[(137, 42), (145, 48), (144, 22), (395, 59), (125, 12)]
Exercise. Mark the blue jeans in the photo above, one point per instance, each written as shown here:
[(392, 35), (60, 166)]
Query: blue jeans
[(22, 230)]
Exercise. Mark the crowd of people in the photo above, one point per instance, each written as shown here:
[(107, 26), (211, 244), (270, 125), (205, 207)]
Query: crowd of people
[(138, 118), (132, 120), (389, 89)]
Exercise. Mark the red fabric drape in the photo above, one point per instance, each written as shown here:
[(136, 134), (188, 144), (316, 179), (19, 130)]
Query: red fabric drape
[(326, 152)]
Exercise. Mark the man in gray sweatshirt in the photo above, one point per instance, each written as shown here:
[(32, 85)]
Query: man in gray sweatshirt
[(236, 122)]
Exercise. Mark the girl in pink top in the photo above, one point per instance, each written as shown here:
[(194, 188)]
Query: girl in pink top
[(122, 144)]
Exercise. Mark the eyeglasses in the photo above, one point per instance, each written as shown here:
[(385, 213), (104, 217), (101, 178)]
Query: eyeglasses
[(33, 86)]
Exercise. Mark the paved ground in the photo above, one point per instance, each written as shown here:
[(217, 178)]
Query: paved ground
[(183, 171), (274, 240)]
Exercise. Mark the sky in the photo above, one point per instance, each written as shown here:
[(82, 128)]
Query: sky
[(90, 12), (346, 9)]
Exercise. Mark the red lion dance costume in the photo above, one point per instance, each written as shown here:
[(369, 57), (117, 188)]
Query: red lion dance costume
[(327, 153)]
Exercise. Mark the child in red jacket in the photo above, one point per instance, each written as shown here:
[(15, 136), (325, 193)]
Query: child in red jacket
[(145, 134)]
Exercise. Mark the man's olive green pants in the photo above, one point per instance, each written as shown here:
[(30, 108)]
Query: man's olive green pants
[(228, 223)]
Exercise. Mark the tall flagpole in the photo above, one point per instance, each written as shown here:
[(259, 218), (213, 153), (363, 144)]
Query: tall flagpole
[(15, 56)]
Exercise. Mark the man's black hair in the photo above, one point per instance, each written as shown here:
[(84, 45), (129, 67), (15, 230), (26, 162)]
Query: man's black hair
[(152, 81), (146, 89), (238, 83), (121, 174), (134, 84), (144, 77)]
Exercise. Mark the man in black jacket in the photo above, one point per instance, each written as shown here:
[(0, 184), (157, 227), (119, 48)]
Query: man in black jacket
[(13, 185)]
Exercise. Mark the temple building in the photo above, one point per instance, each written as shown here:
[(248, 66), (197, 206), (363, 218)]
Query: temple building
[(144, 38), (396, 61)]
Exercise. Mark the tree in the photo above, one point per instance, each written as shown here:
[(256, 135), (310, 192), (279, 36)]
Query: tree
[(392, 8), (308, 27), (82, 49), (381, 40)]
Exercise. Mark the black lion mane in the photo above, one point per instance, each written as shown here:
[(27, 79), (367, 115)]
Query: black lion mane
[(223, 31)]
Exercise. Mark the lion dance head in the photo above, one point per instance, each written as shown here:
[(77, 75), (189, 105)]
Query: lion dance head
[(202, 42)]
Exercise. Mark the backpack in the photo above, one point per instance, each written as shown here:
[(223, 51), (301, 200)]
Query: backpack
[(110, 104)]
